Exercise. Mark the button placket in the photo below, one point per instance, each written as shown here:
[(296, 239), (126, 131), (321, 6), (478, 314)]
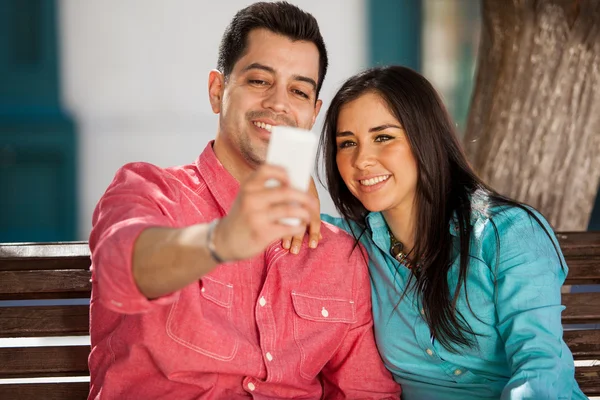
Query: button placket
[(265, 323)]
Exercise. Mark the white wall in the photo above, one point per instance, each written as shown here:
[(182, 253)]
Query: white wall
[(134, 77)]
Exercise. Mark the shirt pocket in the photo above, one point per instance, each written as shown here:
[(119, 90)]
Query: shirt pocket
[(320, 326), (201, 320)]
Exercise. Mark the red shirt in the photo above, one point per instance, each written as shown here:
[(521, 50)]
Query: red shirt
[(272, 327)]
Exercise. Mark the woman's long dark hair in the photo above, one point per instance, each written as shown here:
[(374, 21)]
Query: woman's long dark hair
[(446, 185)]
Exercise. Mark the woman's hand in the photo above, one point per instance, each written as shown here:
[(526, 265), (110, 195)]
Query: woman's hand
[(293, 243)]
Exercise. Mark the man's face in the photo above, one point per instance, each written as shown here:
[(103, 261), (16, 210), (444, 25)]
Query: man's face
[(274, 83)]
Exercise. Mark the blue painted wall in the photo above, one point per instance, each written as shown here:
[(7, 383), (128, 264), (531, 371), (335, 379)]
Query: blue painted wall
[(37, 138), (394, 29)]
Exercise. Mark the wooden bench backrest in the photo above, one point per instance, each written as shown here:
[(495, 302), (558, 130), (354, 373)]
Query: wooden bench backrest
[(44, 272), (61, 271)]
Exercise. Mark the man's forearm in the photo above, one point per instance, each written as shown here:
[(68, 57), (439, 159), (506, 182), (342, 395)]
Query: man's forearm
[(168, 259)]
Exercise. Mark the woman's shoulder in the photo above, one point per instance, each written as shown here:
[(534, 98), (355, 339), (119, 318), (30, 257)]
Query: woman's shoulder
[(517, 227), (505, 217)]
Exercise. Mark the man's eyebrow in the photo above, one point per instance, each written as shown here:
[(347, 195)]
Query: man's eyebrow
[(384, 127), (306, 79), (258, 66), (266, 68)]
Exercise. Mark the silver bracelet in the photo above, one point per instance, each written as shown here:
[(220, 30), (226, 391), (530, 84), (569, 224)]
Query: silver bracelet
[(210, 244)]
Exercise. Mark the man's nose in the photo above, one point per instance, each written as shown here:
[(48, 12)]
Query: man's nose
[(278, 100)]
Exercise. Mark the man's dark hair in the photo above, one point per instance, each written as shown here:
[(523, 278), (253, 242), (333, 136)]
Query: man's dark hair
[(278, 17)]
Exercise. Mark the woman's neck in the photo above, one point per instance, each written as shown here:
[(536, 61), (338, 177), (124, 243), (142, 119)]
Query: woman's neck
[(401, 220)]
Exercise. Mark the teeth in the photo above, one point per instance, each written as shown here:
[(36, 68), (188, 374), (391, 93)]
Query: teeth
[(373, 181), (263, 125)]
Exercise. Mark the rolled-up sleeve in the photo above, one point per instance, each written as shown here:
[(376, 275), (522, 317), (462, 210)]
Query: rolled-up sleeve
[(529, 276), (137, 199)]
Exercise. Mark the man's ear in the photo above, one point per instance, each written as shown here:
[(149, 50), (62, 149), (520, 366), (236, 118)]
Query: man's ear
[(318, 105), (216, 86)]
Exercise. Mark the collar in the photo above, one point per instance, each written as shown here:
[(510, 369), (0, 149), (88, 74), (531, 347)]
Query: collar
[(222, 185), (378, 229)]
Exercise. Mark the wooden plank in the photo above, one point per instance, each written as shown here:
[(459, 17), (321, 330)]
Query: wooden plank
[(582, 253), (44, 250), (583, 272), (582, 308), (46, 391), (44, 321), (27, 362), (45, 284), (588, 379), (35, 256), (580, 244), (23, 264), (584, 344)]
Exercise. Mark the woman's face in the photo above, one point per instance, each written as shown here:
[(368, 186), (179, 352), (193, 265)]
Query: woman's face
[(373, 155)]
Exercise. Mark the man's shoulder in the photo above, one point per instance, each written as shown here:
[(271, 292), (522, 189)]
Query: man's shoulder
[(141, 172), (337, 241), (149, 170), (337, 234)]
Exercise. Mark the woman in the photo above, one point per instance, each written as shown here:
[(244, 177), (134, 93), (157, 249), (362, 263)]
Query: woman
[(466, 283)]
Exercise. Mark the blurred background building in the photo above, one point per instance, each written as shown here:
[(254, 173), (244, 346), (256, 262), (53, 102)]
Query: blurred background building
[(87, 86)]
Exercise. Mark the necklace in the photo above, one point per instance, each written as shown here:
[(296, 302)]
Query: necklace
[(397, 251)]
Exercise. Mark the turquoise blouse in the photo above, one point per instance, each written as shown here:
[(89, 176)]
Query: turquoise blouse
[(516, 309)]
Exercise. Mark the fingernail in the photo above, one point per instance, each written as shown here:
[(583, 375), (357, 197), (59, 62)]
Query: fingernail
[(312, 244), (295, 250), (286, 244)]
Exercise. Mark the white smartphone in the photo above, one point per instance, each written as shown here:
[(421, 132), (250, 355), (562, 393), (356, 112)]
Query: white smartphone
[(295, 150)]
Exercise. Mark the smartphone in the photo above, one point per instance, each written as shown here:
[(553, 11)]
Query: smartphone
[(295, 150)]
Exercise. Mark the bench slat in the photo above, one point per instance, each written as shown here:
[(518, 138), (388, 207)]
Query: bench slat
[(36, 256), (583, 272), (46, 391), (588, 379), (584, 344), (44, 321), (582, 244), (57, 284), (582, 308), (27, 362), (24, 264)]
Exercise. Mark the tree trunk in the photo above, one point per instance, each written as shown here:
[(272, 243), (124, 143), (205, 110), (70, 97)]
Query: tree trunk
[(533, 131)]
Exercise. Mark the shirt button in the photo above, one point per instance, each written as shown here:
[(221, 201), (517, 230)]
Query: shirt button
[(269, 356), (422, 311), (262, 301), (457, 372), (251, 386), (430, 352), (324, 312)]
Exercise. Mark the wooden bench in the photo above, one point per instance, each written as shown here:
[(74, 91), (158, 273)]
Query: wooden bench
[(61, 271)]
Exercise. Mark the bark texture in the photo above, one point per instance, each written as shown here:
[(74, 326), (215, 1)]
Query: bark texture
[(533, 131)]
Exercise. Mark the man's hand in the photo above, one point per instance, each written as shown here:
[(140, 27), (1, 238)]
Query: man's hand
[(293, 243), (253, 221)]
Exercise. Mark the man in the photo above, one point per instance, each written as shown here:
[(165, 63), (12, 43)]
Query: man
[(193, 296)]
